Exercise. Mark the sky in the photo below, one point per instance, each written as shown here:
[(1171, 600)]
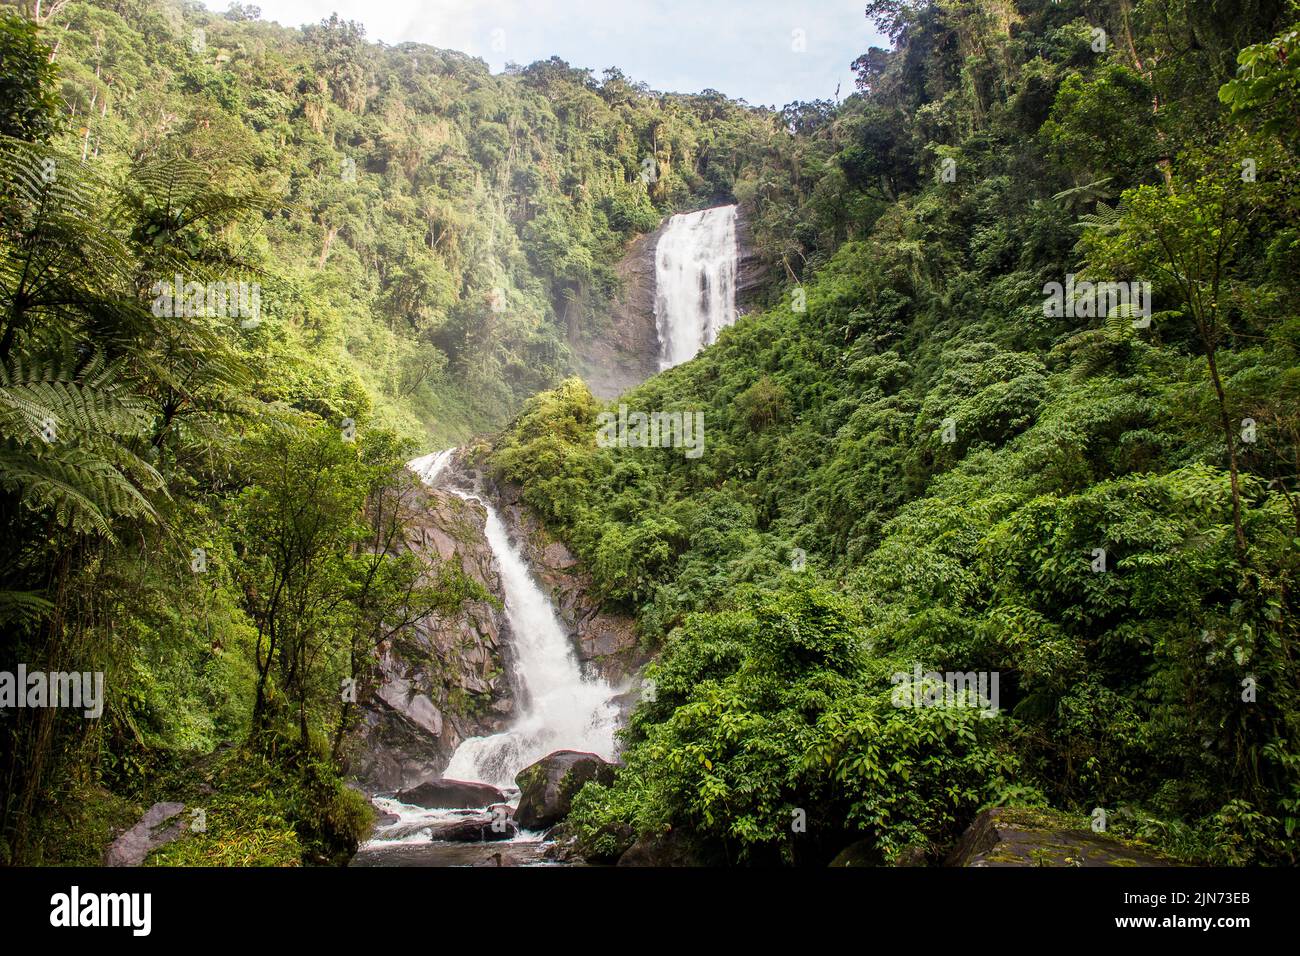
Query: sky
[(768, 52)]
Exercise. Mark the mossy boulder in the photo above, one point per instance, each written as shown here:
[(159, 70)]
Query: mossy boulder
[(671, 848), (547, 787), (1012, 836), (860, 853)]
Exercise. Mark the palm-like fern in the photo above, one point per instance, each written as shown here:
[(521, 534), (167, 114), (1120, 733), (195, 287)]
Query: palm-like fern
[(1077, 197), (68, 419), (64, 432), (62, 259), (91, 380)]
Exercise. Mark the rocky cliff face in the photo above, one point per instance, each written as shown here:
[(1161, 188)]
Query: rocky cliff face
[(451, 677), (750, 274), (448, 678), (626, 352), (605, 643)]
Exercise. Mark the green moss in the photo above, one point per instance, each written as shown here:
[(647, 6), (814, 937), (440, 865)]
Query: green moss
[(262, 812), (239, 832), (80, 826)]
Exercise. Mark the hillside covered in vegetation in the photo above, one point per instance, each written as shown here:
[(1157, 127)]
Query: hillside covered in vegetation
[(912, 465), (913, 460), (392, 248)]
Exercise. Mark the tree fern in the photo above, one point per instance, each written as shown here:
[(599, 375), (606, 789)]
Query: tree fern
[(61, 442)]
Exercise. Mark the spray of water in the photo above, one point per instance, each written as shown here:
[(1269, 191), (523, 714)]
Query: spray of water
[(430, 467)]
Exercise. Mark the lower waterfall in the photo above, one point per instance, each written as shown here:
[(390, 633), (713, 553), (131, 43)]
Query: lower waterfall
[(562, 709)]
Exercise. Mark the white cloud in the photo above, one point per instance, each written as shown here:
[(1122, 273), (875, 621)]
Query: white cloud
[(740, 47)]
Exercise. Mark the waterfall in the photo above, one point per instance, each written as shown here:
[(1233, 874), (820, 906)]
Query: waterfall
[(429, 467), (695, 282), (563, 711)]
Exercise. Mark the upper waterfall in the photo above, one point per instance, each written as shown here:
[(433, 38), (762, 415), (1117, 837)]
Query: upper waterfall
[(695, 282)]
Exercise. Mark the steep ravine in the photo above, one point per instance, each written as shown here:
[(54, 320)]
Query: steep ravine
[(453, 679), (463, 697), (606, 643)]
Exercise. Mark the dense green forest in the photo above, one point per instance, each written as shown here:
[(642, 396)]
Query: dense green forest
[(195, 497), (908, 463)]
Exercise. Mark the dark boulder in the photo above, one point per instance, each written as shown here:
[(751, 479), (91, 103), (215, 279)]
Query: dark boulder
[(547, 788), (861, 853), (674, 848), (475, 829), (450, 794)]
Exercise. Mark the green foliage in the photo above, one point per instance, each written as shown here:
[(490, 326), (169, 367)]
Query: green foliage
[(1100, 512), (766, 716), (1268, 84), (186, 512), (28, 105), (908, 461)]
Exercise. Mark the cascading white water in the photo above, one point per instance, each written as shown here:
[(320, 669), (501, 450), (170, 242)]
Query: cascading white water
[(564, 711), (429, 467), (695, 282)]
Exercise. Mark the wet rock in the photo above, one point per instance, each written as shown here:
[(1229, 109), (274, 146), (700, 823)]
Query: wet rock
[(548, 786), (475, 829), (605, 643), (560, 851), (160, 824), (750, 275), (626, 353), (443, 792), (401, 831)]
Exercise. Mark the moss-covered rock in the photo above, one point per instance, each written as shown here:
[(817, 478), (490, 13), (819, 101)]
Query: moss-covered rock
[(671, 848), (1013, 836), (547, 787)]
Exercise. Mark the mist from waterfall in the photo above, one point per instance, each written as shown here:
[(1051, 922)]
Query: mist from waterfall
[(562, 710), (695, 282)]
